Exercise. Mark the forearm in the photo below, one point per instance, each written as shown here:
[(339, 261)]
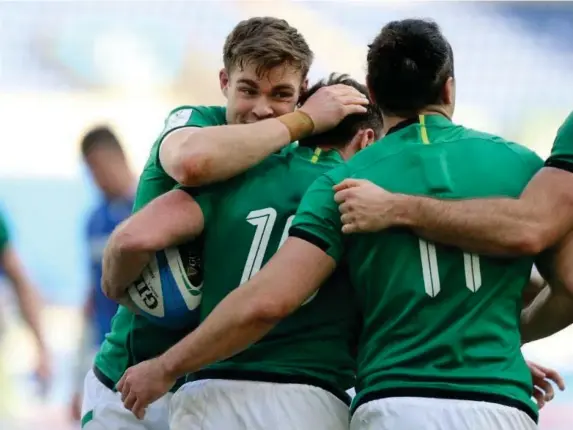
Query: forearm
[(214, 154), (229, 329), (500, 227), (121, 268), (550, 312)]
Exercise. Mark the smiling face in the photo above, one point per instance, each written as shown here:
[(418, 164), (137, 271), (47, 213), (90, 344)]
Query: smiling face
[(265, 66), (252, 97)]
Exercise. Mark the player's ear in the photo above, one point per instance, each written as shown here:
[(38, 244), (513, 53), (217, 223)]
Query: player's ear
[(449, 92), (224, 81), (368, 138)]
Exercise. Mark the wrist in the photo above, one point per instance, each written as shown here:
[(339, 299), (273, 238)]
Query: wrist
[(298, 123), (170, 365), (404, 208)]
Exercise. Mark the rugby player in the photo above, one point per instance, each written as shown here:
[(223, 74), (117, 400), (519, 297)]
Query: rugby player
[(299, 373), (440, 341), (266, 62), (540, 218), (103, 154)]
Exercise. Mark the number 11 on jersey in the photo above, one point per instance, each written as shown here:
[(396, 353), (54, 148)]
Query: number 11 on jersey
[(431, 272)]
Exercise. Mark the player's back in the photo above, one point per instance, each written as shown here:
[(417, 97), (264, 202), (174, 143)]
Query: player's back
[(439, 322), (247, 220)]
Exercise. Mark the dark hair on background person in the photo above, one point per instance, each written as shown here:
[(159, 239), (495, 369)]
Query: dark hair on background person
[(349, 126), (97, 137), (409, 63), (266, 42)]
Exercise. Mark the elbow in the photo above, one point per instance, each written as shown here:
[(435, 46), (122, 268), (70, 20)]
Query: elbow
[(192, 165), (125, 242), (532, 241), (108, 289), (268, 311)]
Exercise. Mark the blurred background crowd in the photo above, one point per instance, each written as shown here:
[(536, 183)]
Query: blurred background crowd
[(69, 66)]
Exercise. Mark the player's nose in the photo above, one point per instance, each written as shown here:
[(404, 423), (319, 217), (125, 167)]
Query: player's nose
[(263, 109)]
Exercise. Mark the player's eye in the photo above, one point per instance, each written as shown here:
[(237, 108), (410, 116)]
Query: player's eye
[(248, 91), (284, 95)]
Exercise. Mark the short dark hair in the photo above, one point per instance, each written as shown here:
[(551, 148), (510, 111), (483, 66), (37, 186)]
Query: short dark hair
[(266, 42), (97, 137), (343, 133), (408, 64)]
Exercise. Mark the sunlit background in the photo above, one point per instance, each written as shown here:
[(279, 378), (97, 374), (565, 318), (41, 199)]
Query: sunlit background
[(66, 66)]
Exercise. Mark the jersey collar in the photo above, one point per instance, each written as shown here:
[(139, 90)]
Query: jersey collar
[(431, 120)]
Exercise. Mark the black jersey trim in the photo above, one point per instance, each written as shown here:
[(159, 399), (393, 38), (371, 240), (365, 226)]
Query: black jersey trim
[(104, 379), (559, 164), (436, 393), (403, 124), (309, 237), (279, 378)]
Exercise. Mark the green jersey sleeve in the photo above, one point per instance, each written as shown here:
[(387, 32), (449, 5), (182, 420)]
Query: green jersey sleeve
[(193, 116), (562, 152), (4, 234), (154, 181), (317, 219)]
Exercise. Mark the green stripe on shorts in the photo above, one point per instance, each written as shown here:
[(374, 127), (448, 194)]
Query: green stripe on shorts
[(87, 418)]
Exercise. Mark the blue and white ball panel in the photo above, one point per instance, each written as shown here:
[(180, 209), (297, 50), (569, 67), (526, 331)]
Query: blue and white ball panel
[(166, 292)]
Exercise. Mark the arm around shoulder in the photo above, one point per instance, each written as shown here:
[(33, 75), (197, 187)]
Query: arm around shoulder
[(197, 156)]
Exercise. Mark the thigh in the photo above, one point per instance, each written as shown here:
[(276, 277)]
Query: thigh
[(237, 405), (102, 409)]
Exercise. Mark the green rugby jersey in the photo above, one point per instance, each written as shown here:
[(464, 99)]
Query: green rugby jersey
[(562, 150), (133, 338), (246, 221), (437, 322)]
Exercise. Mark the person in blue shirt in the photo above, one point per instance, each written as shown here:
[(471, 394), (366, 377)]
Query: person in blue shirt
[(104, 156)]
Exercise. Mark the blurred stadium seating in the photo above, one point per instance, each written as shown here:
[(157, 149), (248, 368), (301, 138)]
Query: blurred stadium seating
[(65, 66)]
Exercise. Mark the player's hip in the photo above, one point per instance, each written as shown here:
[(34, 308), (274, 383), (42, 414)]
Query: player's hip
[(102, 409), (413, 413), (508, 396), (334, 383), (212, 404)]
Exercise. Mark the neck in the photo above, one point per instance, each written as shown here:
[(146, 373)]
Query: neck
[(345, 152), (391, 121)]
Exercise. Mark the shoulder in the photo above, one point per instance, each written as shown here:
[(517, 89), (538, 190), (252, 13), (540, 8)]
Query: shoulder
[(499, 143), (195, 116)]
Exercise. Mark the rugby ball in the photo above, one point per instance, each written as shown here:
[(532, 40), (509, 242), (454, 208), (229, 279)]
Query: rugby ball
[(169, 290)]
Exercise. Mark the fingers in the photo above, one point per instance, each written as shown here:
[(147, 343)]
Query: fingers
[(353, 99), (121, 384), (347, 183), (554, 376), (349, 228), (536, 371), (139, 409), (354, 109), (539, 397), (547, 388), (130, 401)]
